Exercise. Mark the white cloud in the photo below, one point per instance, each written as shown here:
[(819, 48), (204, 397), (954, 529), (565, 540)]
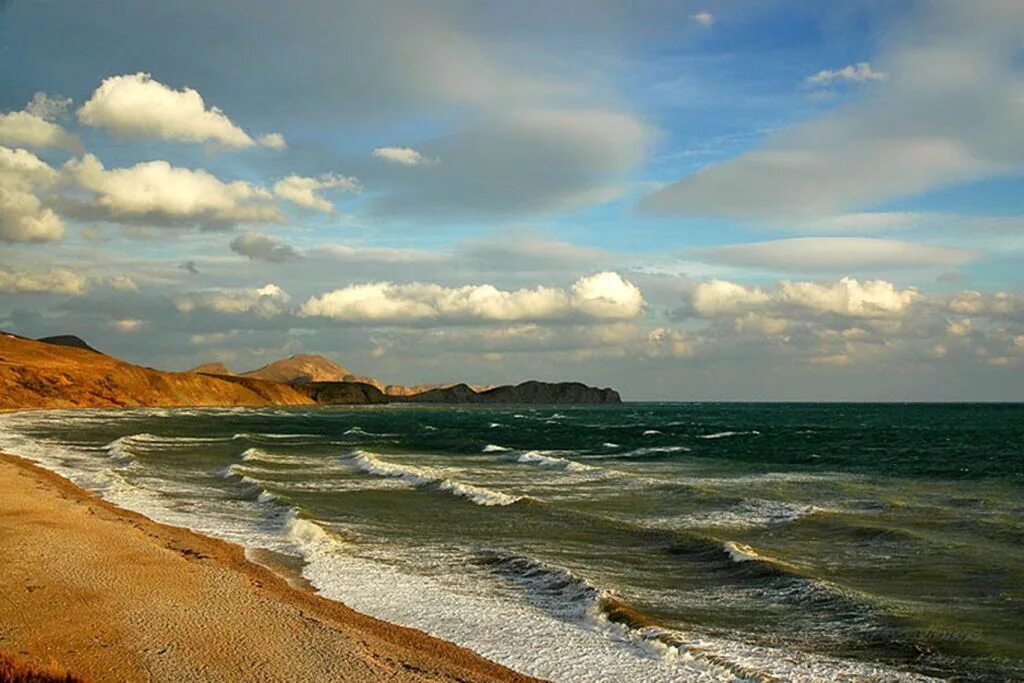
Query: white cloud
[(158, 191), (847, 297), (836, 253), (272, 141), (348, 254), (122, 283), (23, 217), (406, 156), (853, 73), (997, 304), (48, 107), (959, 328), (259, 247), (666, 342), (703, 18), (721, 297), (127, 325), (24, 129), (303, 191), (949, 113), (267, 301), (604, 296), (55, 281), (135, 105)]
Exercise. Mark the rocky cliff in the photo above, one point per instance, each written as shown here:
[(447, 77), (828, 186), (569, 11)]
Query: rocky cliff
[(527, 392), (343, 393)]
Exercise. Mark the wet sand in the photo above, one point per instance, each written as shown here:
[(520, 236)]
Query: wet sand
[(113, 596)]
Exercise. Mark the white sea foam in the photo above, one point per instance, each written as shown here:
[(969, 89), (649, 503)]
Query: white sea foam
[(651, 432), (609, 444), (493, 448), (740, 552), (722, 435), (427, 477), (652, 450), (745, 515), (540, 459)]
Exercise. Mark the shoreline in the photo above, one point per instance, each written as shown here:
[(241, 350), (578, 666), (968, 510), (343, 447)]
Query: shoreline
[(110, 594)]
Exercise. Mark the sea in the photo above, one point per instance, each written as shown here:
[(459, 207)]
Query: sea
[(639, 542)]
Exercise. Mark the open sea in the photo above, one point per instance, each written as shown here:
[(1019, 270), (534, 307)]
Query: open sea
[(642, 542)]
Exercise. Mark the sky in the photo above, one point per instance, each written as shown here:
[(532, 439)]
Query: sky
[(718, 200)]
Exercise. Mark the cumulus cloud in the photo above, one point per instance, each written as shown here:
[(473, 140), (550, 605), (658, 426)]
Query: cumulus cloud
[(603, 296), (405, 156), (26, 129), (997, 304), (23, 217), (847, 297), (135, 105), (836, 253), (259, 247), (303, 191), (721, 297), (666, 342), (949, 113), (860, 72), (55, 281), (158, 191), (267, 301)]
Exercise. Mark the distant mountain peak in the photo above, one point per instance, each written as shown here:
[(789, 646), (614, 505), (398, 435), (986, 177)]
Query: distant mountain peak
[(300, 368), (212, 369)]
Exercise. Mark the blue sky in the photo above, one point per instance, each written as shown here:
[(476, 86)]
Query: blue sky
[(717, 200)]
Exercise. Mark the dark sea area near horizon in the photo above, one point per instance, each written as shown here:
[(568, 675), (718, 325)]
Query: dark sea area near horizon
[(637, 542)]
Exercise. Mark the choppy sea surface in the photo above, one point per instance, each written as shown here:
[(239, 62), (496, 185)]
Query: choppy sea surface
[(643, 542)]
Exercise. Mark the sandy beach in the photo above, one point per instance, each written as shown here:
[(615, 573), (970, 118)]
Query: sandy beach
[(111, 595)]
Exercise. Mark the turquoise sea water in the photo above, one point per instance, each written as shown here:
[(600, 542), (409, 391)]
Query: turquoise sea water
[(637, 542)]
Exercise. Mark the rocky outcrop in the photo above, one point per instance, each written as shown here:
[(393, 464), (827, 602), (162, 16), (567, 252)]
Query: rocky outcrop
[(343, 393), (402, 391), (551, 393), (527, 392), (68, 340)]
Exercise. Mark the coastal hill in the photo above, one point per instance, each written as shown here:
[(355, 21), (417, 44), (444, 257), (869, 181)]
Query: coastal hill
[(35, 374), (212, 369), (527, 392), (71, 374), (304, 369)]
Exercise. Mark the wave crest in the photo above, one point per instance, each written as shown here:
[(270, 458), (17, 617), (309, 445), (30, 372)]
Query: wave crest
[(427, 478)]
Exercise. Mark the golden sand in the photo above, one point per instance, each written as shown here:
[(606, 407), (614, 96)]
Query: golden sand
[(113, 596)]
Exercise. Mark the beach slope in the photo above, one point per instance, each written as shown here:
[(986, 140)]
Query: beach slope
[(111, 595)]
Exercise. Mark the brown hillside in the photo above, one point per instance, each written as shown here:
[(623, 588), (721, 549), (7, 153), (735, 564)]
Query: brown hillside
[(212, 369), (38, 375), (300, 369)]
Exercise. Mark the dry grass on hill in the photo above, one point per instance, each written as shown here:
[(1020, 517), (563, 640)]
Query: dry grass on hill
[(15, 671)]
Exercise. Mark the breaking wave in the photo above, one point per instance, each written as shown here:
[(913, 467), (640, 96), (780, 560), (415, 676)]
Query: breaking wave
[(426, 478), (722, 435)]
